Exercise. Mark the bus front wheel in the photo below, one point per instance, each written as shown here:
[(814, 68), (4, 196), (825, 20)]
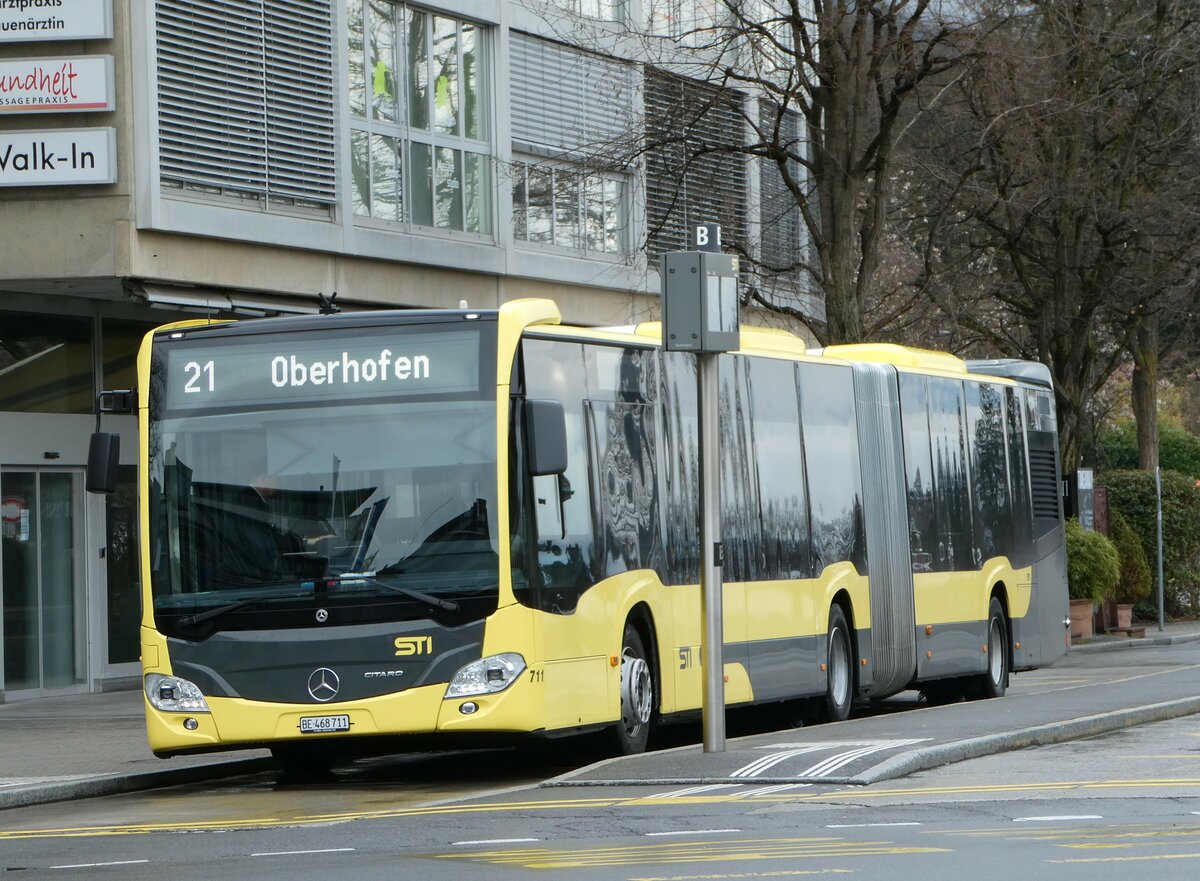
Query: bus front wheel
[(638, 698), (839, 668)]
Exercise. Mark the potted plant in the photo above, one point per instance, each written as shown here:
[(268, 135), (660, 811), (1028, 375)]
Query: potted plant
[(1134, 583), (1093, 570)]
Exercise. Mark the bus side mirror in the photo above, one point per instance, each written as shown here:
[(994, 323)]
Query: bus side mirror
[(546, 430), (104, 452)]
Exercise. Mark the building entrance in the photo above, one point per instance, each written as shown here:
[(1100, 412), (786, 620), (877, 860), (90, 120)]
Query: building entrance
[(42, 585)]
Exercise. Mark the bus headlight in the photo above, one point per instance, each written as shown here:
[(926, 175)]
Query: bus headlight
[(486, 676), (174, 695)]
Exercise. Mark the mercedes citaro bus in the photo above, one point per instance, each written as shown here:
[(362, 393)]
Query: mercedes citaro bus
[(356, 527)]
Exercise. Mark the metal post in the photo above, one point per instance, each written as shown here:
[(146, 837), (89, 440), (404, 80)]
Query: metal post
[(1158, 496), (713, 654)]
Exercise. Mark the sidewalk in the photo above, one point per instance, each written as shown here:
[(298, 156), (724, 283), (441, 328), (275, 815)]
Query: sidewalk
[(61, 748)]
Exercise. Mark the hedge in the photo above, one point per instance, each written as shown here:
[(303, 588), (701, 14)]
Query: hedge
[(1178, 449), (1132, 493), (1136, 582)]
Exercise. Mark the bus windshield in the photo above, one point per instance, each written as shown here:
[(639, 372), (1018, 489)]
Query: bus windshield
[(382, 504)]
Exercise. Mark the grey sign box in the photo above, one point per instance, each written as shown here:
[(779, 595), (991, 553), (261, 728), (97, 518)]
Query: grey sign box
[(700, 302)]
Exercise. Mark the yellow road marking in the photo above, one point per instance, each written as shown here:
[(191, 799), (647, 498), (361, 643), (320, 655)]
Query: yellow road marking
[(1158, 856), (691, 852), (782, 873), (854, 794)]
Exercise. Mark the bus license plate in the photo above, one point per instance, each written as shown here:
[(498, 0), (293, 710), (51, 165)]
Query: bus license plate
[(323, 724)]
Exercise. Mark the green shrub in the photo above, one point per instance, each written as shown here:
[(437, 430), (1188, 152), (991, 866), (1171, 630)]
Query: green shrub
[(1133, 493), (1135, 582), (1093, 566), (1178, 448)]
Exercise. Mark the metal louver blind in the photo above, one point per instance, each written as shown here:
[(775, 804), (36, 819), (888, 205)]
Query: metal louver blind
[(683, 188), (564, 99), (778, 214), (246, 96)]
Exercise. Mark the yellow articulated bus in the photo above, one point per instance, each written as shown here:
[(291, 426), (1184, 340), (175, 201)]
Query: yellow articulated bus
[(365, 526)]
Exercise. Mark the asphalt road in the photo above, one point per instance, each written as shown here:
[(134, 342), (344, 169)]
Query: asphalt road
[(1127, 801)]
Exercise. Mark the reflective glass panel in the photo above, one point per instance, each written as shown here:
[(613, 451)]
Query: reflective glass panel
[(387, 186), (831, 457), (420, 181), (121, 563), (19, 531), (566, 210), (520, 201), (383, 61), (45, 363), (478, 194), (354, 53), (541, 215), (360, 173), (445, 75), (418, 69), (918, 471), (473, 107), (448, 206), (780, 462)]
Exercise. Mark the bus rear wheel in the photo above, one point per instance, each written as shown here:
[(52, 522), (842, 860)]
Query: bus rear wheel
[(839, 669), (638, 697), (994, 681)]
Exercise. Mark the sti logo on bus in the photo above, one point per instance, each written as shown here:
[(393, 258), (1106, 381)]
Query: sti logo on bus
[(407, 646)]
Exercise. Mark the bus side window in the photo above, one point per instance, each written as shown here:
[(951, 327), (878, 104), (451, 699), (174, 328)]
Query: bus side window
[(831, 457), (562, 503)]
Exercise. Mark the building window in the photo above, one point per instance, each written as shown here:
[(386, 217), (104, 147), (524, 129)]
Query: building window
[(46, 364), (691, 22), (420, 133), (246, 100), (696, 173), (601, 10), (564, 207), (779, 214)]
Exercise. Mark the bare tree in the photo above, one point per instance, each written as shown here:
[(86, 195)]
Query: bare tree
[(1068, 187), (820, 87)]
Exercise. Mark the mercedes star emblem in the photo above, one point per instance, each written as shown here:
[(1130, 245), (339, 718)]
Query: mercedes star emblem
[(322, 616), (323, 684)]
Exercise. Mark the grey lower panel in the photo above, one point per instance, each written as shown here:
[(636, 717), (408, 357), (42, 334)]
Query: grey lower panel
[(952, 650), (366, 661), (785, 668)]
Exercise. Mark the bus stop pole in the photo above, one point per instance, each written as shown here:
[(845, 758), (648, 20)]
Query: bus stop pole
[(713, 652)]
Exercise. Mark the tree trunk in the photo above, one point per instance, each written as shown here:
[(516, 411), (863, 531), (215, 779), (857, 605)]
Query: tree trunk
[(1145, 391)]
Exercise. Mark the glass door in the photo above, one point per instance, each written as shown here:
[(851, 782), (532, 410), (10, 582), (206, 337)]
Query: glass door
[(41, 555)]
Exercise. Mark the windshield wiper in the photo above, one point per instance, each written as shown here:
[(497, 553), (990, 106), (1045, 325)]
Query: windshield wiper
[(419, 596), (247, 602)]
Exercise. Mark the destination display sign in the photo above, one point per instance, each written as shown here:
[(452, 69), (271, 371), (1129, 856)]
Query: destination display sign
[(308, 368)]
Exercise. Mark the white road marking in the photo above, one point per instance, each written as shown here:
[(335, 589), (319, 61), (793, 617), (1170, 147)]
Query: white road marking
[(824, 768), (96, 865), (296, 853), (1066, 817), (771, 790), (696, 790), (499, 841), (866, 825), (692, 832)]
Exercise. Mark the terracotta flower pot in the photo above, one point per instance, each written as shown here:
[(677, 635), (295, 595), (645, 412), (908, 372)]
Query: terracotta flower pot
[(1081, 619)]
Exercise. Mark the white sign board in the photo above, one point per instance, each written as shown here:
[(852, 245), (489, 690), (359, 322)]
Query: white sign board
[(26, 21), (56, 85), (60, 156)]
